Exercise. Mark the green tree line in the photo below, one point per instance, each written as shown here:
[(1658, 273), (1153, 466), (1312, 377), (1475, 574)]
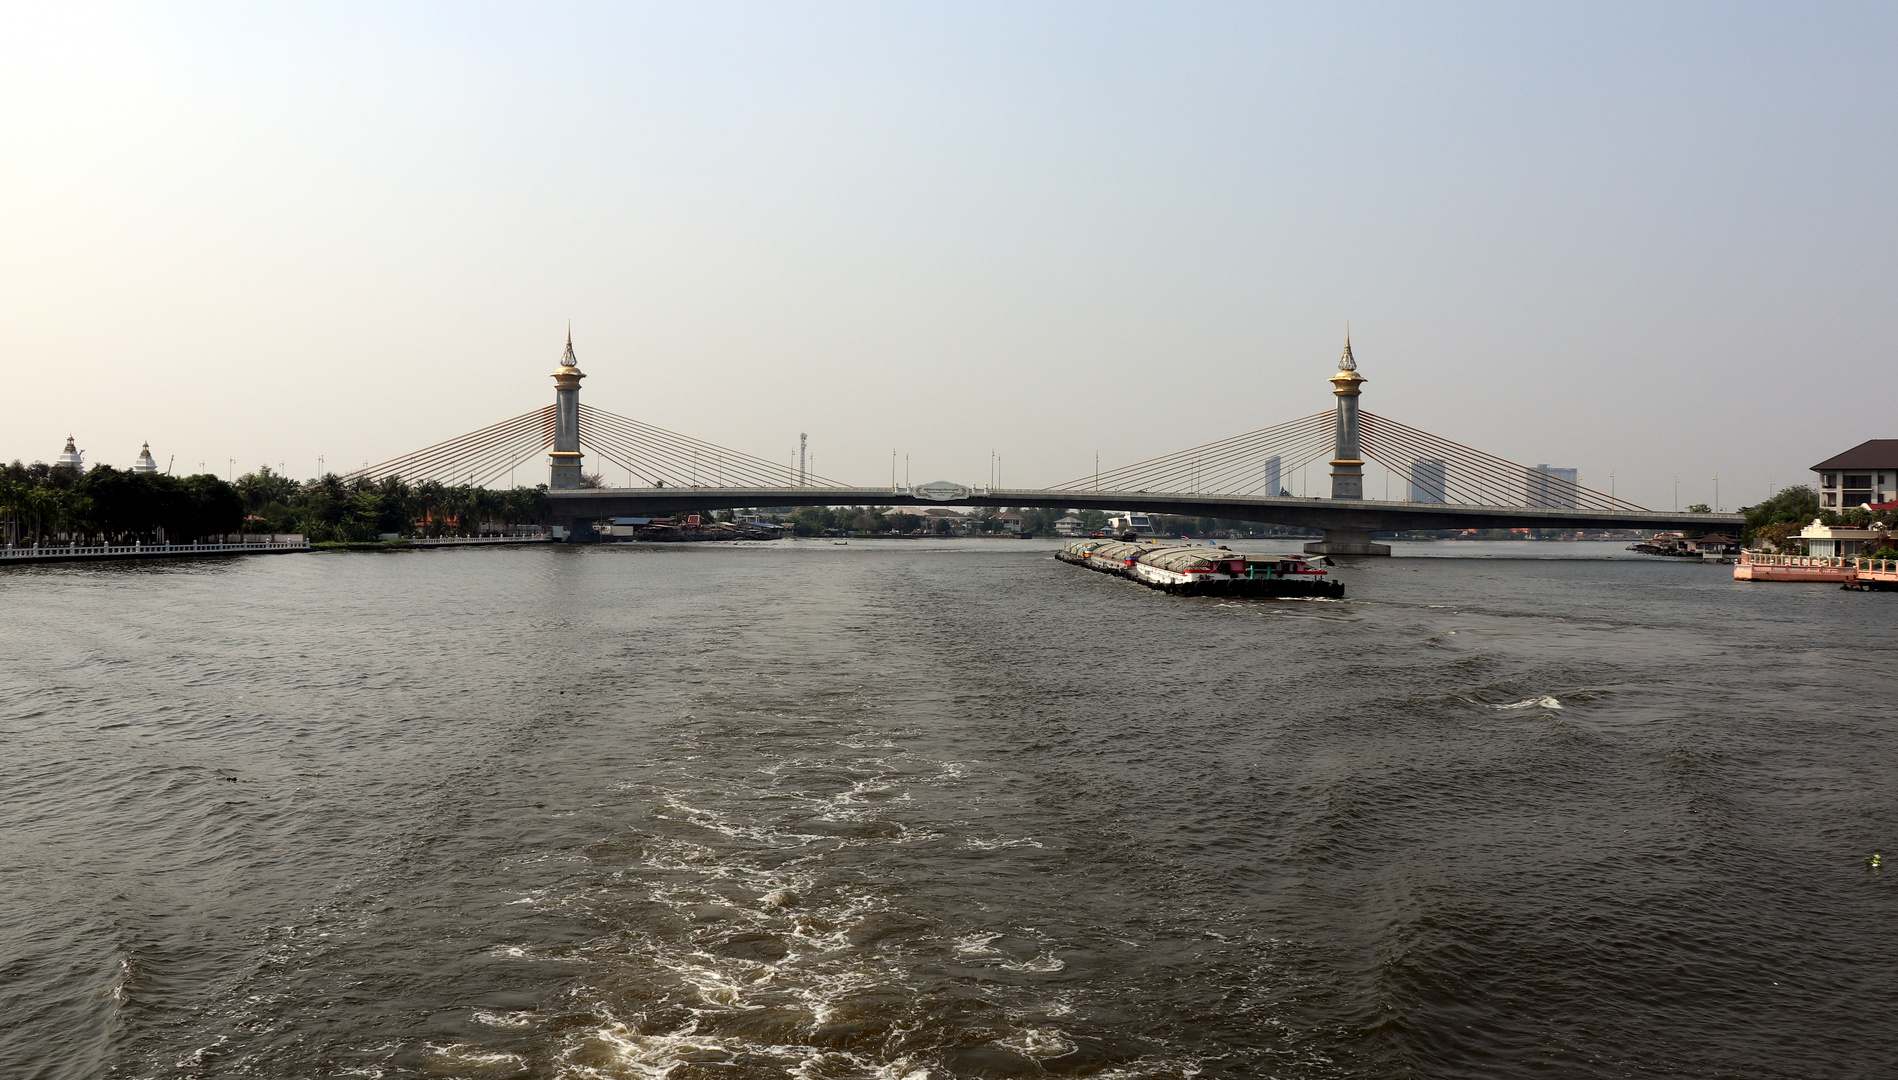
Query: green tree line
[(42, 503), (334, 509)]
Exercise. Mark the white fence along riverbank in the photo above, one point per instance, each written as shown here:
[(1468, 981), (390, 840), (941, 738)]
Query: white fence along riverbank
[(71, 552)]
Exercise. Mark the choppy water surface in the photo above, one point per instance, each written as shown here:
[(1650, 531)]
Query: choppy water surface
[(929, 811)]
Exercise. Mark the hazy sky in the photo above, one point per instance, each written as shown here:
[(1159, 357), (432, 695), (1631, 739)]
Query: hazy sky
[(1657, 239)]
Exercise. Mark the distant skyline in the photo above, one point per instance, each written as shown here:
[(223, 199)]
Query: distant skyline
[(1652, 240)]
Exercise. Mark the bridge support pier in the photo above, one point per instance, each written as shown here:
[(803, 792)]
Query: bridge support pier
[(1346, 542), (579, 530)]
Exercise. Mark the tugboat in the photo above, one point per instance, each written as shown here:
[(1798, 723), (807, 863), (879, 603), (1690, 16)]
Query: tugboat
[(1205, 571)]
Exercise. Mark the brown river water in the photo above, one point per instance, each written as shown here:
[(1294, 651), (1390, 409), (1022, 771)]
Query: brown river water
[(922, 811)]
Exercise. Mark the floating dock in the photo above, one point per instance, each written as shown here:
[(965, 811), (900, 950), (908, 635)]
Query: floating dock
[(1204, 571), (1848, 572)]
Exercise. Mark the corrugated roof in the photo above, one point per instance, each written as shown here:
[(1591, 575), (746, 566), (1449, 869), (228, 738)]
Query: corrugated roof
[(1870, 454)]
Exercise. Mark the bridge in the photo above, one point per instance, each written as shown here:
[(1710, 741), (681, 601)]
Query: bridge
[(1447, 485)]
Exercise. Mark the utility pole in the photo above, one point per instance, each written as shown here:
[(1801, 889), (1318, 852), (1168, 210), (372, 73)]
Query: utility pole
[(1677, 494), (1097, 472), (803, 442), (1716, 493)]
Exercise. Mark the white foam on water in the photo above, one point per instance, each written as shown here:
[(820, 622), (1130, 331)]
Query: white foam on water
[(1038, 1043), (1040, 965), (466, 1056), (503, 1020), (977, 843), (1543, 702), (976, 945)]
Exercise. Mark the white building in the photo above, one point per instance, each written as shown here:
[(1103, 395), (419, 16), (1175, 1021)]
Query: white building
[(72, 457), (1829, 542), (1865, 474), (145, 464), (1071, 526)]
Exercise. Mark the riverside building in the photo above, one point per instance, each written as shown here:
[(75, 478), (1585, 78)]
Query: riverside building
[(1865, 475)]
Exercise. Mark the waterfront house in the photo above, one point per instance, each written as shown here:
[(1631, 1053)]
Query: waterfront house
[(1867, 473), (1830, 541), (1715, 545), (931, 516), (1071, 526)]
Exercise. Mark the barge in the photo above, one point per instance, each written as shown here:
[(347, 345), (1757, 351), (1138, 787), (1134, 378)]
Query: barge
[(1204, 571)]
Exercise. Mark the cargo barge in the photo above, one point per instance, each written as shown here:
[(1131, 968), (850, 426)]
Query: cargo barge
[(1204, 571)]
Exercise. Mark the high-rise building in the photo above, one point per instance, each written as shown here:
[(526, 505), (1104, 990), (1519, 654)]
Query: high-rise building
[(1269, 483), (1552, 487), (1429, 481)]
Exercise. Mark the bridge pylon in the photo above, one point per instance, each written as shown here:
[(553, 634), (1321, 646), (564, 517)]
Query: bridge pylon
[(564, 461), (1347, 462)]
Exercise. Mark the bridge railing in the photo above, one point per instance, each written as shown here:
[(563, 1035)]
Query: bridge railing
[(1815, 562)]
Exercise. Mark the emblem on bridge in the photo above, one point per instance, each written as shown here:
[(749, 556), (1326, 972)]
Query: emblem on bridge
[(942, 491)]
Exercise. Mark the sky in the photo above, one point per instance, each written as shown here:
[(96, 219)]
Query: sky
[(1656, 240)]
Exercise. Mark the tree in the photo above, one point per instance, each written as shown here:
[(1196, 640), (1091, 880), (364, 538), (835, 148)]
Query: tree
[(263, 489), (1792, 504), (1700, 508)]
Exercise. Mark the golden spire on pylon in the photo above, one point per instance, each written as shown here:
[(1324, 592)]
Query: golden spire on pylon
[(1345, 383), (568, 375)]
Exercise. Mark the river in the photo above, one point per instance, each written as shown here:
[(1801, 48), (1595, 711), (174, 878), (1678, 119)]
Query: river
[(947, 809)]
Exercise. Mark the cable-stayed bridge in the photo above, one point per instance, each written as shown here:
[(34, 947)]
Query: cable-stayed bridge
[(1244, 477)]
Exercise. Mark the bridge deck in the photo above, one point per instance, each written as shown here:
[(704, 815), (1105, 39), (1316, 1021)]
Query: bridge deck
[(1351, 515)]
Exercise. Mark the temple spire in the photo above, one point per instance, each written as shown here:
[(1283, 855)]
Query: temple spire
[(1347, 362)]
